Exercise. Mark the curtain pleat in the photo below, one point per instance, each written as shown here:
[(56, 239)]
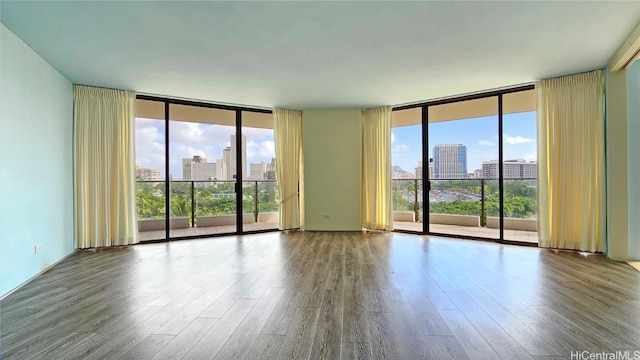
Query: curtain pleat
[(287, 131), (104, 167), (376, 169), (571, 169)]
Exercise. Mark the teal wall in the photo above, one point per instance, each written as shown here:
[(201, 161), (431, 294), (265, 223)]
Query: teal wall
[(633, 158), (36, 174)]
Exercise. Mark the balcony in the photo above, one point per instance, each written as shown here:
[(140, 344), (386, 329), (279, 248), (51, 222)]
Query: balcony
[(200, 208), (468, 207), (464, 207)]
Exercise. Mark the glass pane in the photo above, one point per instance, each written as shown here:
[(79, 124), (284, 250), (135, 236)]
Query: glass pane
[(520, 166), (463, 136), (259, 188), (150, 169), (406, 172), (202, 179)]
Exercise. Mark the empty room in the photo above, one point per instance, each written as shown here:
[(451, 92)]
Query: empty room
[(319, 180)]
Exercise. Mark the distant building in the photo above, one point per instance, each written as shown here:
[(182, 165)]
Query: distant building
[(199, 169), (513, 169), (146, 174), (418, 169), (271, 170), (477, 174), (258, 171), (226, 156), (231, 164), (450, 161)]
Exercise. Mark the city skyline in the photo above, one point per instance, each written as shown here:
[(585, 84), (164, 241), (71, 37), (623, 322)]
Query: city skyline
[(479, 135), (189, 139)]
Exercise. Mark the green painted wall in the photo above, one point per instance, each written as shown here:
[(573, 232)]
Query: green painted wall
[(36, 173), (623, 163), (633, 158), (616, 158), (332, 147)]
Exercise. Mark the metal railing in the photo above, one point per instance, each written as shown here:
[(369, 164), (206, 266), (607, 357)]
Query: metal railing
[(519, 197), (194, 198)]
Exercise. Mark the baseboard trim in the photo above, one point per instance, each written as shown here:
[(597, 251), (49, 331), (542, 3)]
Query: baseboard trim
[(35, 276)]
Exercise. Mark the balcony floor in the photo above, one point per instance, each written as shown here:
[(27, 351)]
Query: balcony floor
[(511, 235), (207, 230)]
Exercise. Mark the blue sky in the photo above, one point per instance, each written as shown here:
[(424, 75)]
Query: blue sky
[(480, 135), (188, 139)]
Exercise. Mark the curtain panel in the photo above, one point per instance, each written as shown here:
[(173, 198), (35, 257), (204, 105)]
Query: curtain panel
[(571, 169), (104, 167), (376, 209), (287, 133)]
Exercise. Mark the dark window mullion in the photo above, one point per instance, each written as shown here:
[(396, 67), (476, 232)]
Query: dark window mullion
[(426, 185), (239, 172)]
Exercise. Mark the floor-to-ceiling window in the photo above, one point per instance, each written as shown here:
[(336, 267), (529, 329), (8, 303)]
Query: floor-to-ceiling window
[(202, 172), (463, 137), (519, 166), (260, 193), (406, 173), (203, 169), (478, 160), (150, 147)]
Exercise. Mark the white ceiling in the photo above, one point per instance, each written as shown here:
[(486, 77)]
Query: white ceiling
[(319, 54)]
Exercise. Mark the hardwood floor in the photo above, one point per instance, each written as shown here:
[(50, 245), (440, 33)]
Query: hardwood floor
[(308, 295)]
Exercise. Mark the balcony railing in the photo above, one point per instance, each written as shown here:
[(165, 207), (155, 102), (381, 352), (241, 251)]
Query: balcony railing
[(192, 200), (468, 202)]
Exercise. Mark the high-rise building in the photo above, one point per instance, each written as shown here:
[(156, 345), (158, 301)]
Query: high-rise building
[(258, 171), (199, 169), (229, 153), (513, 169), (418, 169), (450, 161), (146, 174), (226, 156), (271, 170)]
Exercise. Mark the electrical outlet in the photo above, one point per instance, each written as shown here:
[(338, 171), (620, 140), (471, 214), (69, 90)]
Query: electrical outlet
[(326, 216), (37, 249)]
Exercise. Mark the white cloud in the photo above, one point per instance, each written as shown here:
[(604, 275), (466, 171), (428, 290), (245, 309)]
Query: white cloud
[(400, 148), (260, 151), (393, 137), (513, 140), (149, 143), (485, 143)]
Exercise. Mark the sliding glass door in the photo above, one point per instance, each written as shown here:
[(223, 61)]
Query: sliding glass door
[(406, 174), (259, 190), (463, 136), (203, 170), (520, 167), (476, 161), (150, 133)]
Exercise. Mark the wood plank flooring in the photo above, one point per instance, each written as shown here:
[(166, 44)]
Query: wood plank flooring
[(317, 295)]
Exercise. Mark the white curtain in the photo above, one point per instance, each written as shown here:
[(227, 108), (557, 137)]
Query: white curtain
[(571, 169), (104, 167), (287, 131), (376, 169)]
